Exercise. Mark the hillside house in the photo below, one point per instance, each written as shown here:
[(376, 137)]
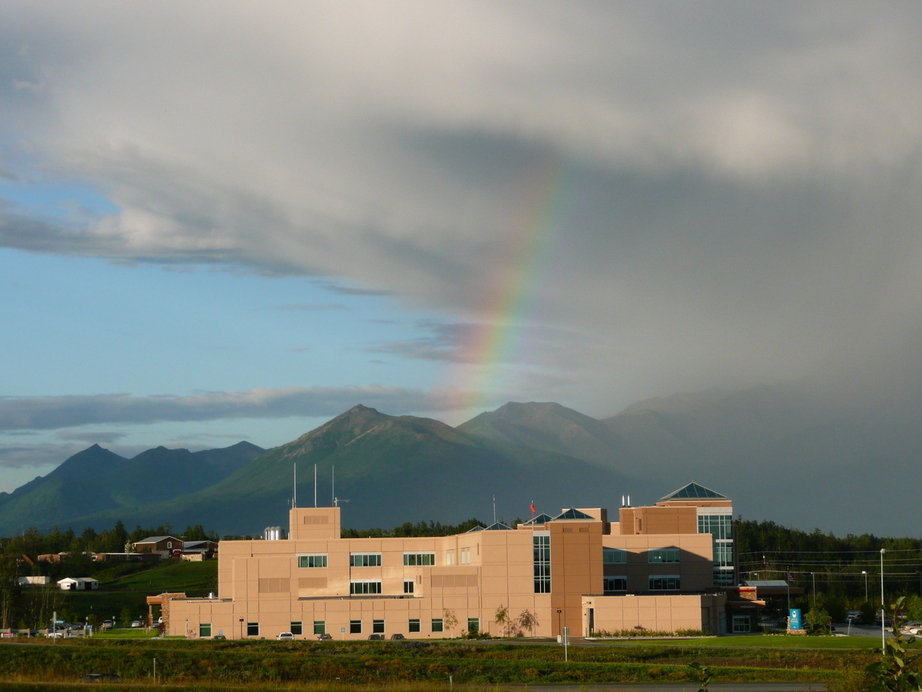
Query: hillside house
[(34, 580), (165, 546), (78, 584)]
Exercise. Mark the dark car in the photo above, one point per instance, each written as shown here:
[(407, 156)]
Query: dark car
[(397, 635), (324, 636), (376, 636)]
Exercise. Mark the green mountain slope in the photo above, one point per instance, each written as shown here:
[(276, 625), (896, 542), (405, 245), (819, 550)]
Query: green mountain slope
[(96, 480), (388, 470)]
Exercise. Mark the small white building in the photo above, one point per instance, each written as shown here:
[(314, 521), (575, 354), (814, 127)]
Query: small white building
[(78, 584), (34, 581)]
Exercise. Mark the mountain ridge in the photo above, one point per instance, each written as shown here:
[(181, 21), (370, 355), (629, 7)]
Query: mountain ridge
[(769, 448)]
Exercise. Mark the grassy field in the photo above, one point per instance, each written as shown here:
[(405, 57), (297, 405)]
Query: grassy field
[(414, 665)]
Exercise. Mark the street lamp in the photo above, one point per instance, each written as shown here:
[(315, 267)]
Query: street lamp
[(865, 573), (883, 632), (813, 575), (559, 628)]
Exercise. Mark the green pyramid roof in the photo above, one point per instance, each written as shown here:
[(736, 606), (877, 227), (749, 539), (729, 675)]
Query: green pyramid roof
[(693, 491), (539, 519), (498, 526), (572, 514)]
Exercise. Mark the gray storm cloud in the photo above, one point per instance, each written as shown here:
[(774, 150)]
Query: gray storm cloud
[(738, 185)]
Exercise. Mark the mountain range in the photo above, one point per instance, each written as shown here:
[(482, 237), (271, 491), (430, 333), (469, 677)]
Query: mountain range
[(775, 452)]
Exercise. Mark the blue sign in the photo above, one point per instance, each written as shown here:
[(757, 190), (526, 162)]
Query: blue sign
[(795, 622)]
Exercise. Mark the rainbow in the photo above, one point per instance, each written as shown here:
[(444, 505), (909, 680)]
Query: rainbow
[(511, 303)]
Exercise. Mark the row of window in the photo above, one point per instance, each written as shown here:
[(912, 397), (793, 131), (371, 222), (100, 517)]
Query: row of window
[(655, 582), (367, 560), (618, 556), (373, 586), (355, 627)]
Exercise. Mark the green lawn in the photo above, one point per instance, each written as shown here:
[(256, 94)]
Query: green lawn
[(127, 633)]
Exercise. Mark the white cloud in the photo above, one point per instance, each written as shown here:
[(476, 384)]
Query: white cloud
[(722, 186)]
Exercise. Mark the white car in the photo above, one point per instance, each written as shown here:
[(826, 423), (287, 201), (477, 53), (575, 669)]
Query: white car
[(285, 637), (57, 634)]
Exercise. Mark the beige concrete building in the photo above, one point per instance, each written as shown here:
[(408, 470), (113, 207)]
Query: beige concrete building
[(658, 568)]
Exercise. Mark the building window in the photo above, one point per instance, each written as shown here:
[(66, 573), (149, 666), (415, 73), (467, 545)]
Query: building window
[(663, 556), (318, 560), (473, 625), (742, 623), (408, 586), (204, 629), (437, 625), (541, 545), (720, 526), (320, 627), (450, 557), (418, 559), (355, 627), (377, 626), (465, 556), (723, 554), (295, 628), (365, 559), (364, 587), (613, 556), (612, 584), (252, 629), (664, 582), (413, 625), (724, 576)]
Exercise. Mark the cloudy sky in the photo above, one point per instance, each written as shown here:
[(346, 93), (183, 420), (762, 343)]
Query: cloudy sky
[(234, 220)]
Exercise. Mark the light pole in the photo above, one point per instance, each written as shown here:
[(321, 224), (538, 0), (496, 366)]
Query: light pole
[(865, 573), (813, 576), (559, 629), (883, 631)]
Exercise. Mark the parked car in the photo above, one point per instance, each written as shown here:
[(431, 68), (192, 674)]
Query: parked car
[(135, 623), (220, 636), (397, 635), (285, 637), (324, 636), (57, 634), (376, 636)]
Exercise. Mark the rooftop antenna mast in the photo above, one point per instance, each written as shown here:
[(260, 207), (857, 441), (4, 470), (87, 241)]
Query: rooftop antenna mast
[(294, 488), (336, 500), (494, 509), (315, 485)]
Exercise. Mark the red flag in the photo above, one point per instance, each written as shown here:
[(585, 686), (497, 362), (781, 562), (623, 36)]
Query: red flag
[(532, 507)]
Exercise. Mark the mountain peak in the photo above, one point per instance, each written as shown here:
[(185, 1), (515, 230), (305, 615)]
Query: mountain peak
[(91, 461)]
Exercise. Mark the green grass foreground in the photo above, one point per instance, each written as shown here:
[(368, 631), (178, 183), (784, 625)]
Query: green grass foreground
[(416, 665), (773, 641)]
